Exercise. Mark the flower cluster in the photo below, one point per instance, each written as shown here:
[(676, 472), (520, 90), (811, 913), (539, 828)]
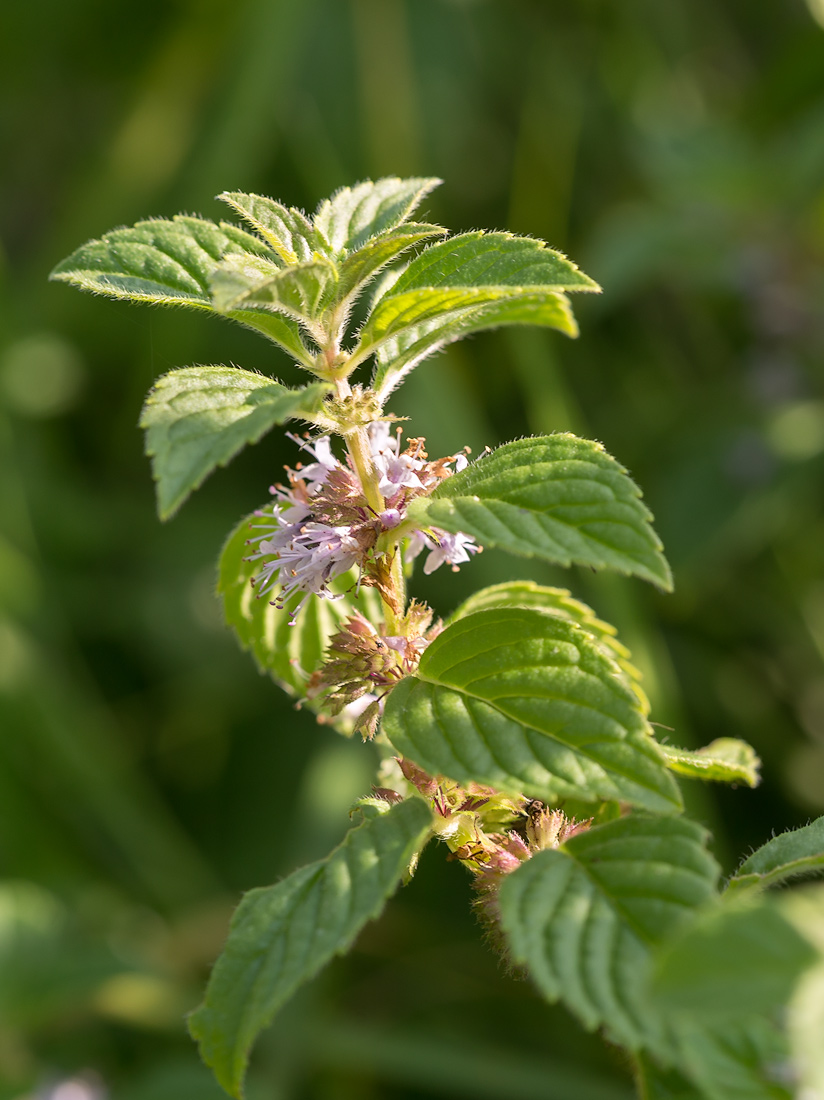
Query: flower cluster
[(363, 665), (321, 525), (490, 833)]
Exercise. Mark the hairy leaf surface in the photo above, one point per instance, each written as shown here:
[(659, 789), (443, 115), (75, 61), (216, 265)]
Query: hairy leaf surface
[(556, 497), (788, 855), (282, 935), (198, 418), (560, 602), (157, 261), (396, 355), (726, 760), (363, 264), (289, 653), (583, 918), (354, 214), (285, 229), (525, 701), (169, 262), (482, 259), (298, 291), (464, 284)]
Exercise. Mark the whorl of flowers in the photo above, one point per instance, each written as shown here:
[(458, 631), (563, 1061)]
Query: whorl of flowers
[(321, 525), (363, 665), (490, 833)]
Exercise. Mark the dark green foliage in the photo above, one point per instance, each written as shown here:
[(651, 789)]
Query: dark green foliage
[(674, 150)]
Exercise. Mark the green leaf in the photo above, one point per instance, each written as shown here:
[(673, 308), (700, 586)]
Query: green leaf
[(584, 917), (555, 497), (289, 653), (656, 1083), (354, 214), (166, 262), (560, 602), (281, 936), (470, 271), (467, 283), (806, 1026), (788, 855), (287, 230), (198, 418), (169, 263), (486, 260), (736, 960), (528, 702), (735, 1062), (805, 1015), (725, 760), (249, 282), (396, 355), (282, 330), (361, 266)]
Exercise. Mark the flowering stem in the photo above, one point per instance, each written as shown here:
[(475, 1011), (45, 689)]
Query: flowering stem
[(357, 444)]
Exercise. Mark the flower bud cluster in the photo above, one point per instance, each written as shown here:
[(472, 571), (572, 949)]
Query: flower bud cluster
[(363, 665), (321, 525), (473, 824)]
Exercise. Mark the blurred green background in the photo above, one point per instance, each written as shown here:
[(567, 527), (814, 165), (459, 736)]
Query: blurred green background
[(147, 773)]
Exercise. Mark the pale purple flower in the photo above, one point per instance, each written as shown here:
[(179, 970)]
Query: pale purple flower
[(444, 546), (390, 518), (395, 471), (325, 462), (308, 556), (300, 552), (381, 438)]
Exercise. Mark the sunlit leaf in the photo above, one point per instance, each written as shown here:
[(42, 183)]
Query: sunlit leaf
[(530, 702), (282, 935), (354, 214), (288, 231), (170, 263), (556, 497), (198, 418), (788, 855), (482, 259), (560, 602), (725, 760), (362, 265), (396, 355), (249, 282)]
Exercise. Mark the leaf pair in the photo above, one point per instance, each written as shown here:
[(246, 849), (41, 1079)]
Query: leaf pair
[(297, 279), (276, 282)]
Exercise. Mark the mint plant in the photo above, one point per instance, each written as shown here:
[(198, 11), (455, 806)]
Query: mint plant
[(515, 732)]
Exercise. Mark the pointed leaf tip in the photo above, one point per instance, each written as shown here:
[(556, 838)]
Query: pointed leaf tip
[(198, 418), (282, 935), (556, 497), (525, 701)]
